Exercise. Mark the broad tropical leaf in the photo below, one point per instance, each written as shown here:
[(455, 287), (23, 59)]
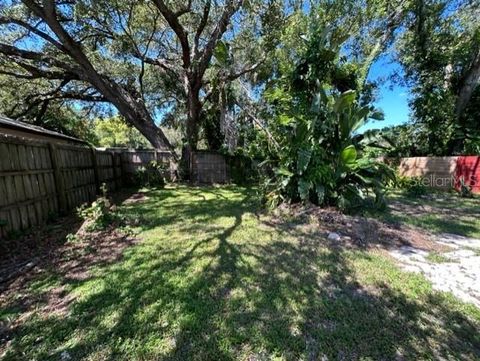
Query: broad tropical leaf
[(348, 155), (304, 189), (344, 101), (304, 156)]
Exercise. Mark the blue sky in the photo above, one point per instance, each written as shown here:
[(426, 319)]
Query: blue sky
[(392, 98)]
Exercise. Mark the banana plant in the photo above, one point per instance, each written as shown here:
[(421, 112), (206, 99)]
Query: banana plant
[(321, 156)]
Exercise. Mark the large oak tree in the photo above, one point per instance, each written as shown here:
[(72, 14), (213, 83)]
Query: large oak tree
[(142, 57)]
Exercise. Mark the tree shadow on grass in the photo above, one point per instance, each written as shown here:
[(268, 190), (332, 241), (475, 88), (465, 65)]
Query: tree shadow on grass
[(222, 286), (447, 214)]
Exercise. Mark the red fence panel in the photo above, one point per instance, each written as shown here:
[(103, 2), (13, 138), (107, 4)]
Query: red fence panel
[(468, 168)]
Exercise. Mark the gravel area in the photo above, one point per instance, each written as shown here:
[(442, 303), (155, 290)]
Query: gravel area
[(457, 271)]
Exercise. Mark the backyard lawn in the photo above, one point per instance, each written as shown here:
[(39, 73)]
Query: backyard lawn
[(212, 278), (439, 212)]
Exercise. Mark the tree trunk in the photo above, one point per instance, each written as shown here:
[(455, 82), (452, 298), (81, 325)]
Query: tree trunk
[(469, 82), (133, 110), (194, 109), (468, 85)]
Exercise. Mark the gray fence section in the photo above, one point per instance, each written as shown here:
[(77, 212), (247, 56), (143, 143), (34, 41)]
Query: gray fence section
[(133, 160), (39, 179), (208, 167)]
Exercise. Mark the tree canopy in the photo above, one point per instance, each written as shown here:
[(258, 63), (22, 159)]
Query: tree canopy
[(206, 69)]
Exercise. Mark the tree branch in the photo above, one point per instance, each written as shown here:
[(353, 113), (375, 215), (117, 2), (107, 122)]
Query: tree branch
[(40, 57), (201, 26), (231, 8), (184, 10), (172, 20), (393, 21), (33, 29), (468, 83), (248, 69)]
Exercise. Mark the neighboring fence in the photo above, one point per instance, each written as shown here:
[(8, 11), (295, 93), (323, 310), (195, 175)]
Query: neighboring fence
[(133, 160), (208, 167), (40, 179), (444, 172)]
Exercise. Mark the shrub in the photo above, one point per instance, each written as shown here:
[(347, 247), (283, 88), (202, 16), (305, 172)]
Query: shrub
[(313, 151), (151, 175), (320, 158), (98, 214), (465, 190), (242, 169), (413, 186)]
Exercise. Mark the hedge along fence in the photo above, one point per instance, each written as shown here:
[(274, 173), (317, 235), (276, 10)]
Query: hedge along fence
[(443, 172), (39, 179)]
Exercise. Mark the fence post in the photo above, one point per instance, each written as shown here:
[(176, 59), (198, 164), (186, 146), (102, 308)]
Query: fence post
[(115, 172), (123, 168), (95, 170), (59, 183)]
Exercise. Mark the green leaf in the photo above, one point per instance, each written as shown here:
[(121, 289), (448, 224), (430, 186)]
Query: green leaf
[(304, 189), (348, 155), (285, 119), (221, 52), (320, 190), (344, 101), (284, 171), (304, 156), (377, 115)]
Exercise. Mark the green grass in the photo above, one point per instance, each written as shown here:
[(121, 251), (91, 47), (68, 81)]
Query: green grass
[(436, 257), (438, 212), (212, 280)]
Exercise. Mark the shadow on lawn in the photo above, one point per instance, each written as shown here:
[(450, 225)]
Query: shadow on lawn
[(440, 213), (241, 290)]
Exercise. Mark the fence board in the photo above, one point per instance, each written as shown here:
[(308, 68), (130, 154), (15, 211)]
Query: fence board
[(39, 179), (208, 167), (443, 172)]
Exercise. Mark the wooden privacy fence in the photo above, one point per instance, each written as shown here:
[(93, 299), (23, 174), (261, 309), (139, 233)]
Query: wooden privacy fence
[(444, 172), (133, 160), (40, 179), (208, 167)]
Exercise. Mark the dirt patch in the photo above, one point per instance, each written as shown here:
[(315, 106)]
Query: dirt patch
[(136, 198), (50, 253), (363, 232)]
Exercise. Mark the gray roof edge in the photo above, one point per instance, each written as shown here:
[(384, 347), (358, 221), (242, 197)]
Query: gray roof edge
[(16, 124)]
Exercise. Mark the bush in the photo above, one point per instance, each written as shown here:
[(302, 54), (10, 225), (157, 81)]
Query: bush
[(320, 158), (99, 214), (413, 186), (242, 169), (151, 175), (313, 150), (465, 190)]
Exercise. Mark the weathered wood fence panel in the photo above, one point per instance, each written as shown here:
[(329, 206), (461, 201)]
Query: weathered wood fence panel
[(27, 186), (40, 179), (208, 167), (133, 160), (77, 175)]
